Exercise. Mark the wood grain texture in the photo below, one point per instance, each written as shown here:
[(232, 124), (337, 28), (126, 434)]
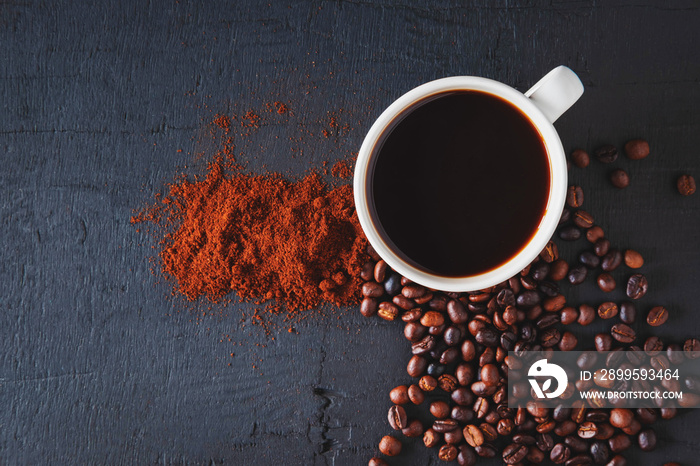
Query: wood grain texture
[(105, 102)]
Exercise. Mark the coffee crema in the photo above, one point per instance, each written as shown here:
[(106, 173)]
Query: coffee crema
[(460, 183)]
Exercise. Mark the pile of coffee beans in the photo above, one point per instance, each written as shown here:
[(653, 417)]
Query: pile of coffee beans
[(460, 343)]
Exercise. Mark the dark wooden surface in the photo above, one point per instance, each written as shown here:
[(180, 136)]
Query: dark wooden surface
[(105, 102)]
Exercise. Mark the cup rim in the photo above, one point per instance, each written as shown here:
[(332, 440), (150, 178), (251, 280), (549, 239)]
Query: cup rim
[(555, 202)]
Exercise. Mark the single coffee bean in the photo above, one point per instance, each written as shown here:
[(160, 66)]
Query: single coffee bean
[(558, 270), (619, 178), (603, 342), (432, 319), (619, 443), (392, 285), (540, 270), (621, 417), (674, 353), (447, 382), (547, 321), (439, 409), (600, 452), (555, 303), (550, 253), (505, 427), (570, 233), (388, 311), (691, 348), (623, 333), (397, 417), (467, 456), (637, 149), (577, 444), (367, 272), (601, 247), (452, 336), (658, 315), (399, 395), (550, 337), (686, 185), (389, 446), (586, 314), (579, 460), (568, 315), (403, 302), (416, 366), (594, 233), (462, 396), (380, 270), (372, 290), (619, 460), (611, 260), (415, 394), (580, 158), (633, 259), (425, 345), (653, 346), (589, 259), (487, 336), (369, 307), (377, 462), (427, 383), (447, 453), (647, 440), (413, 331), (607, 310), (637, 286), (456, 312), (574, 197), (606, 282), (473, 435), (514, 453), (431, 438), (444, 425), (413, 429), (628, 312), (583, 219), (568, 341), (560, 453), (606, 153)]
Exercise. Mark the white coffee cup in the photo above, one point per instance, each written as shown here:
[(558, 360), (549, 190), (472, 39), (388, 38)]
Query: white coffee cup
[(542, 105)]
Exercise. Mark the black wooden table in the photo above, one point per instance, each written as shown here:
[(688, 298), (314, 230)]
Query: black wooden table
[(103, 103)]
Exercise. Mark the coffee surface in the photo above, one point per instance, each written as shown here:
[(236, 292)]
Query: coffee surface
[(460, 183)]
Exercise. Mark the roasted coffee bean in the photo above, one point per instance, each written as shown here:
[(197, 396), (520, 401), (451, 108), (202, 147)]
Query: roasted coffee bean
[(653, 346), (600, 452), (456, 312), (619, 460), (637, 286), (390, 446), (467, 456), (416, 366), (674, 353), (621, 417), (637, 149), (628, 312), (603, 342), (550, 289), (397, 417), (646, 415), (579, 460), (369, 307), (691, 348), (514, 453), (505, 298), (415, 394), (413, 331), (547, 321), (594, 233), (473, 435), (550, 253), (576, 443), (486, 451), (580, 158), (558, 270), (611, 260), (432, 319), (468, 350), (560, 453), (447, 453), (554, 303), (601, 247), (647, 440), (439, 409), (586, 314), (619, 178), (481, 407), (568, 341), (574, 197), (623, 333), (568, 315), (431, 438), (658, 315), (607, 310), (444, 425), (413, 429), (399, 395), (427, 383), (686, 185), (372, 290), (528, 299), (633, 259), (606, 282), (454, 437), (540, 270), (388, 311), (570, 233), (606, 153), (367, 272), (424, 345), (403, 302), (487, 336), (452, 336), (619, 443), (583, 219), (589, 259), (462, 396), (447, 382), (565, 216), (392, 285), (380, 270), (550, 337), (435, 370), (505, 427)]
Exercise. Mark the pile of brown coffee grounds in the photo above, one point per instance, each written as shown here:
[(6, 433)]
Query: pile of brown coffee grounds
[(295, 244)]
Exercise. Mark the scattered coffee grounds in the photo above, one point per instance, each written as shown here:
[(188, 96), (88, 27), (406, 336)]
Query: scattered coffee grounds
[(458, 364), (267, 238)]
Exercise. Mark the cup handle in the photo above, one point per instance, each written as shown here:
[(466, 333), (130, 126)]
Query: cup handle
[(556, 92)]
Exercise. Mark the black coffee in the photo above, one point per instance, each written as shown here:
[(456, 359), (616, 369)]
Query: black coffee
[(460, 183)]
